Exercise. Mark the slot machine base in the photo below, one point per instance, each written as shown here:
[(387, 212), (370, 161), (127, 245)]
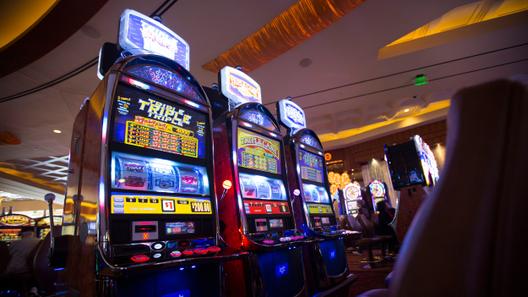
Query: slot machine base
[(280, 272), (182, 281)]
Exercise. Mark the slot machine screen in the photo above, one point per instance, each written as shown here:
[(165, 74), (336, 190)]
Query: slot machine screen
[(146, 121), (261, 225), (276, 223), (311, 166), (260, 187), (257, 152), (133, 172), (173, 228)]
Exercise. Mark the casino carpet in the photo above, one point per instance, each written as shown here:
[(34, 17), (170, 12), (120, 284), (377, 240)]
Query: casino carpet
[(367, 277)]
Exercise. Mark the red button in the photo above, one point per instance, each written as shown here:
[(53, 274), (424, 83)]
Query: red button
[(139, 258), (188, 252), (214, 249), (175, 254), (200, 251)]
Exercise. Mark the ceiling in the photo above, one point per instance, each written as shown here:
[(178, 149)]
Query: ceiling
[(341, 83)]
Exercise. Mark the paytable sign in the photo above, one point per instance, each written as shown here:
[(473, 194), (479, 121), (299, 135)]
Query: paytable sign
[(291, 115), (239, 87), (139, 33)]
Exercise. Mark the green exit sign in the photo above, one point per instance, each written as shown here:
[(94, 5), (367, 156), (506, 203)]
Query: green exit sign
[(420, 80)]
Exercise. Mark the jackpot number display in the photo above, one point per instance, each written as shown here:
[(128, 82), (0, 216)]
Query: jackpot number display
[(138, 204)]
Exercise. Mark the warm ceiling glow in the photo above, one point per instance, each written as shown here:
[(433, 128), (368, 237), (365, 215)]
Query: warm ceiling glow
[(406, 110), (410, 119), (18, 16), (57, 131), (290, 28), (442, 30)]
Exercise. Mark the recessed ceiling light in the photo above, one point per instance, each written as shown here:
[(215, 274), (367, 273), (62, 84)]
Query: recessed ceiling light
[(57, 131), (406, 110), (305, 62)]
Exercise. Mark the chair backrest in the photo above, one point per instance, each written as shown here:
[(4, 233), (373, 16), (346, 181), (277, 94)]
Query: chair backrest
[(466, 239), (44, 274), (4, 256), (366, 224)]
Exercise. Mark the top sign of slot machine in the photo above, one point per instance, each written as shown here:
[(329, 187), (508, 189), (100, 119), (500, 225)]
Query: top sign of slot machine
[(308, 177), (257, 215), (143, 205)]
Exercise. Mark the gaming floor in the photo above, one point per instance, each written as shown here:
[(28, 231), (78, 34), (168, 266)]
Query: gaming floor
[(368, 277)]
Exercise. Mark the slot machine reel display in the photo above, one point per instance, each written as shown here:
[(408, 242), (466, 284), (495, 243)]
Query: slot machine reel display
[(307, 173), (141, 157), (256, 215)]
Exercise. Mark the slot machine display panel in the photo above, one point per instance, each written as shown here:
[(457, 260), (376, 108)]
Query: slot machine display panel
[(327, 263), (314, 186), (259, 161), (159, 199)]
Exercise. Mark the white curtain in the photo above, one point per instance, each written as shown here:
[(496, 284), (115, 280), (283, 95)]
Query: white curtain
[(378, 169)]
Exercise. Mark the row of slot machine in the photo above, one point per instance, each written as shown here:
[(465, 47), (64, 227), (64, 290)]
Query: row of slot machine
[(12, 224), (412, 168), (355, 197), (177, 191)]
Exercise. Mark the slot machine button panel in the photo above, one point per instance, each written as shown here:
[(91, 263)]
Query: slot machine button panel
[(268, 241), (158, 246), (285, 239), (214, 249), (139, 258), (188, 253), (200, 251)]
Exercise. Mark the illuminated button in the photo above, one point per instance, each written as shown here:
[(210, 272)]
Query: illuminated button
[(214, 249), (175, 254), (156, 255), (188, 253), (268, 241), (139, 258), (172, 244), (158, 245), (285, 239), (200, 251)]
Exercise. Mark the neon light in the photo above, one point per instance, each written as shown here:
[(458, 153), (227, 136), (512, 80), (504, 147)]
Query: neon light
[(138, 84), (281, 270), (193, 104)]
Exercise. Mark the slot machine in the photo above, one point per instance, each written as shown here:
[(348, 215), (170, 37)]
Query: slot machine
[(352, 194), (308, 177), (256, 215), (377, 191), (141, 216), (414, 171)]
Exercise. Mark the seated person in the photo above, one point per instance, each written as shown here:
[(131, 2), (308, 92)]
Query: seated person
[(385, 218), (18, 270)]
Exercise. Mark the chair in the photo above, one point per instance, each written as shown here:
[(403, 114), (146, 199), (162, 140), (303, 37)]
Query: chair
[(44, 275), (370, 240), (467, 238)]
